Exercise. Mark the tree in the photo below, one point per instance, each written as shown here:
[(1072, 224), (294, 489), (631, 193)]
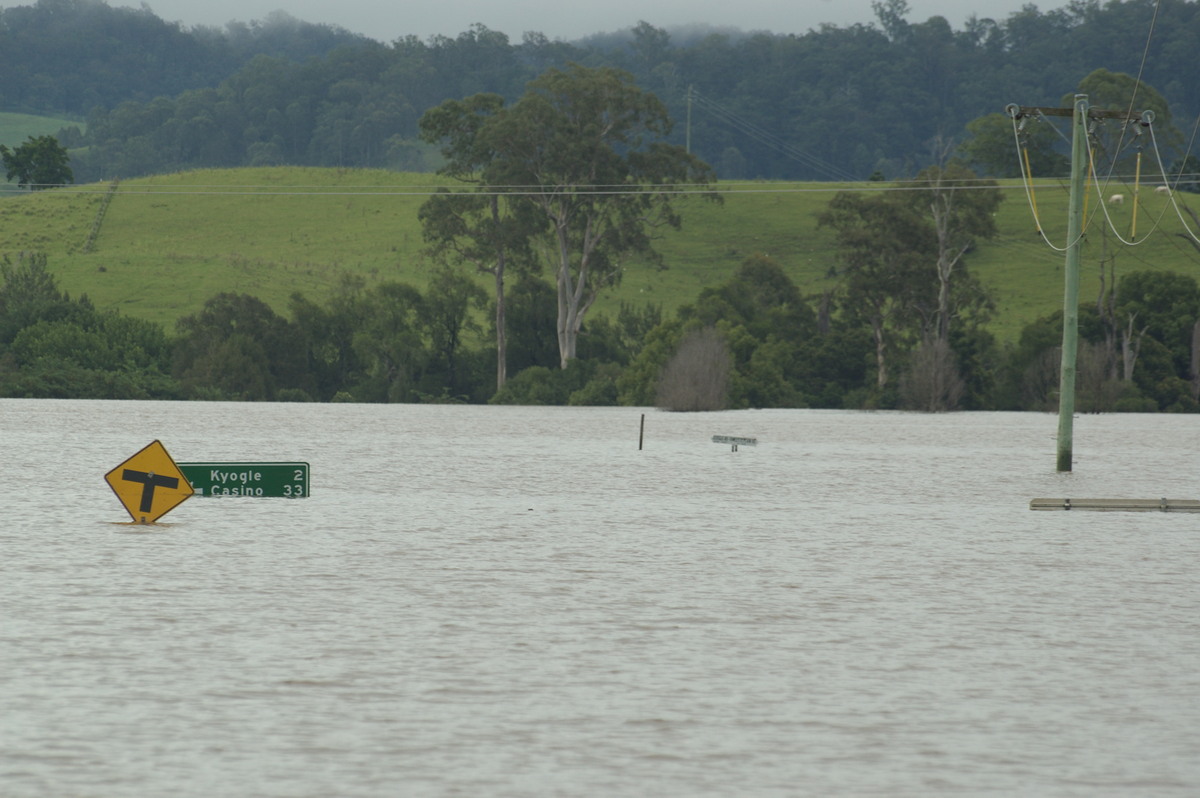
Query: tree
[(697, 375), (884, 248), (1116, 91), (584, 149), (993, 149), (638, 383), (760, 297), (961, 208), (531, 313), (932, 382), (388, 342), (326, 335), (53, 346), (770, 331), (97, 341), (1166, 306), (1120, 328), (778, 355), (39, 163), (240, 347), (29, 294), (891, 15), (446, 314), (483, 229)]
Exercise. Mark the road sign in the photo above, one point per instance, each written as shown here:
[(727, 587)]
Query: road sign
[(259, 480), (149, 484), (733, 441)]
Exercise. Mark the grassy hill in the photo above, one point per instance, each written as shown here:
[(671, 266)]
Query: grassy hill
[(166, 244), (15, 128)]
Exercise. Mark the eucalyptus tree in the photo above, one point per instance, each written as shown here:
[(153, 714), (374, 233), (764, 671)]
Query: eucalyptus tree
[(482, 229), (1167, 306), (582, 164), (961, 209)]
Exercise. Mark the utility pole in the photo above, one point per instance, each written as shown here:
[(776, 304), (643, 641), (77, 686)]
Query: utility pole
[(1070, 338), (1080, 115)]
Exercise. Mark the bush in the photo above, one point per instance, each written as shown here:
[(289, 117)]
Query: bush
[(1136, 404), (536, 385), (58, 380), (933, 382), (697, 375), (600, 390), (292, 395)]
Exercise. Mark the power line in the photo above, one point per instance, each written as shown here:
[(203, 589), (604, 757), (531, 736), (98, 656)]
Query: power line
[(733, 187), (766, 137)]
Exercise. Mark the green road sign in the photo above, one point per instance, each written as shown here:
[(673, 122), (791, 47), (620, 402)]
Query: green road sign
[(260, 480)]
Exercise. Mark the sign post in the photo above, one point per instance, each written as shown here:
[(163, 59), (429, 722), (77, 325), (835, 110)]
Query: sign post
[(257, 480), (149, 484)]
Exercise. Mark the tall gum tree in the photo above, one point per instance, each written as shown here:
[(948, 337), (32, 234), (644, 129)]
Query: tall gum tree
[(584, 150), (479, 228), (961, 209)]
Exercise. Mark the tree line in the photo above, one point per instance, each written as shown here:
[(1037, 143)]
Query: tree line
[(753, 341), (68, 57), (829, 103)]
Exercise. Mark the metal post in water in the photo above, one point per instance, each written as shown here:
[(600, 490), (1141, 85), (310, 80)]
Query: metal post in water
[(1070, 339), (642, 432)]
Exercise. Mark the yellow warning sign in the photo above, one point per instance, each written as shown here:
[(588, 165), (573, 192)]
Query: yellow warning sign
[(149, 484)]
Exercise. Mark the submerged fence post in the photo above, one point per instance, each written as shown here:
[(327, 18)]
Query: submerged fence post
[(642, 432)]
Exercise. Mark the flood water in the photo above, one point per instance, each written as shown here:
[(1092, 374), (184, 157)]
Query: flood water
[(497, 601)]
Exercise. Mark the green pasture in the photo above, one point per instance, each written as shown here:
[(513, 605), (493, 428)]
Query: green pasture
[(168, 243), (15, 128)]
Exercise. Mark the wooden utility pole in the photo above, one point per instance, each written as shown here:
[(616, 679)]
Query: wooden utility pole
[(1080, 115), (1070, 338)]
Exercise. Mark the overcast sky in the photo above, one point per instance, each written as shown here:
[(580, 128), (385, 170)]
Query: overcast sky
[(387, 20)]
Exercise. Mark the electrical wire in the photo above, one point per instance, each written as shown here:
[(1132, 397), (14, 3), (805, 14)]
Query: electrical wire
[(1137, 83), (1171, 191), (1026, 181), (1027, 184), (1101, 187), (1100, 192), (69, 190), (771, 140)]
